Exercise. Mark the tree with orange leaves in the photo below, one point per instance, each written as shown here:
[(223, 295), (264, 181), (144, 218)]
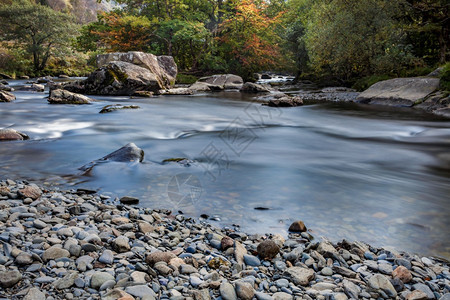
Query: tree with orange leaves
[(116, 31), (248, 40)]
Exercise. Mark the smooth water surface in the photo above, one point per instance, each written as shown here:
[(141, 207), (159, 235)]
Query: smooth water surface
[(348, 171)]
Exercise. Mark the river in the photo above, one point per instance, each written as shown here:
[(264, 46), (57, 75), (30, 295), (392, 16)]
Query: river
[(347, 170)]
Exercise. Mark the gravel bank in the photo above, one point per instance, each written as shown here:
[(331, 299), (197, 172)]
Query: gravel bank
[(79, 245)]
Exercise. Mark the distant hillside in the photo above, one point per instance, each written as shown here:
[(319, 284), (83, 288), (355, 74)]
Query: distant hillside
[(85, 10)]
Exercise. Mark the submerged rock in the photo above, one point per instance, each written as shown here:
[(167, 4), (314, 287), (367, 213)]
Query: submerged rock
[(6, 96), (59, 96), (114, 107), (12, 135), (128, 153)]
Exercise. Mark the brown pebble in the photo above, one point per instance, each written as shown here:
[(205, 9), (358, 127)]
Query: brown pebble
[(297, 226), (226, 243), (268, 249), (402, 273)]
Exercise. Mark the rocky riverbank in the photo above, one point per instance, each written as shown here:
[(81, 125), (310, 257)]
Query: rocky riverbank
[(81, 245)]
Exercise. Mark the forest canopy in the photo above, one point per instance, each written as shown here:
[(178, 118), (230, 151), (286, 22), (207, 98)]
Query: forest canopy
[(343, 39)]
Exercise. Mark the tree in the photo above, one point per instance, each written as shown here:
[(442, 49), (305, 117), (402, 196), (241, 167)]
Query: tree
[(352, 38), (428, 27), (40, 30), (248, 40)]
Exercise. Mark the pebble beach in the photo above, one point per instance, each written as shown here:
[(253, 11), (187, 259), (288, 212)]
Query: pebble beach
[(77, 244)]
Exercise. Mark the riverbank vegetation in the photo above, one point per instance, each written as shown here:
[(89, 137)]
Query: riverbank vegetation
[(346, 42)]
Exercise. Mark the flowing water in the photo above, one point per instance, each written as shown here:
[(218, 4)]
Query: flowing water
[(347, 170)]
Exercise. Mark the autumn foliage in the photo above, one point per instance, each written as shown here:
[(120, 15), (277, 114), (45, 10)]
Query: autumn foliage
[(248, 39)]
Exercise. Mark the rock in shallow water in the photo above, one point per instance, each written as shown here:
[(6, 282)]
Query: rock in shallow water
[(128, 153), (297, 226), (65, 97), (6, 96), (12, 135)]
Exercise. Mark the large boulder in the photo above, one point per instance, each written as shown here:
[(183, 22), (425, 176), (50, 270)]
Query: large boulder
[(6, 96), (12, 135), (399, 91), (127, 74), (218, 82), (65, 97), (163, 67)]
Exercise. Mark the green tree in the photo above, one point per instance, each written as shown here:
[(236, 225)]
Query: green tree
[(352, 38), (427, 23), (40, 30)]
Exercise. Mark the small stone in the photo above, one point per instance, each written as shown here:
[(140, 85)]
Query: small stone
[(99, 278), (300, 276), (339, 296), (297, 226), (326, 249), (425, 289), (244, 290), (34, 294), (24, 259), (129, 200), (321, 286), (281, 296), (9, 278), (65, 282), (121, 244), (107, 285), (380, 282), (30, 191), (416, 295), (402, 273), (55, 252), (327, 271), (139, 277), (282, 283), (251, 260), (351, 289), (162, 268), (268, 249), (155, 257), (227, 291), (107, 257), (39, 224), (226, 243), (195, 281), (117, 294), (140, 291), (187, 269), (145, 227), (239, 252)]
